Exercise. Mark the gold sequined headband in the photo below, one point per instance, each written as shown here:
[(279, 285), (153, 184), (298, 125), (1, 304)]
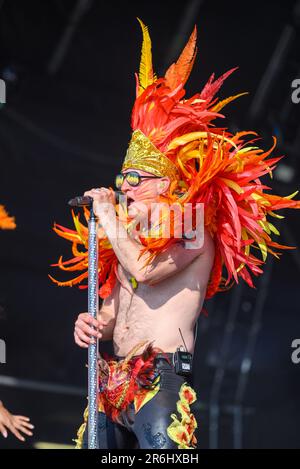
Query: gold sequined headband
[(143, 155)]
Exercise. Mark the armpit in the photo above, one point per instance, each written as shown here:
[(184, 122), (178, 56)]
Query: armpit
[(123, 279)]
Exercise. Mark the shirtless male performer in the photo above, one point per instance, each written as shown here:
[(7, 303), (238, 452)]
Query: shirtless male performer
[(154, 286), (167, 300)]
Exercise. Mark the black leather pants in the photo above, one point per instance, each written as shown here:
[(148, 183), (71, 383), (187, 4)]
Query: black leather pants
[(148, 428)]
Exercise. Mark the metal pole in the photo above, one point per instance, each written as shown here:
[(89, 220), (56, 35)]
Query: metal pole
[(93, 348)]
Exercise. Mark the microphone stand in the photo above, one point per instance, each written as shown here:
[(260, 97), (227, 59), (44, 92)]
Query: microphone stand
[(93, 305)]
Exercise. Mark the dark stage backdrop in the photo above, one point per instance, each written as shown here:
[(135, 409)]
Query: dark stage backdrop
[(65, 128)]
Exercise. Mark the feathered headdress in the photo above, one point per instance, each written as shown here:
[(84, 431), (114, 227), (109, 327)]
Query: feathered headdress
[(176, 136)]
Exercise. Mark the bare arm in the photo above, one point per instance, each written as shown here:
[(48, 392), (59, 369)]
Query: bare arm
[(127, 250), (88, 329), (108, 313), (168, 263)]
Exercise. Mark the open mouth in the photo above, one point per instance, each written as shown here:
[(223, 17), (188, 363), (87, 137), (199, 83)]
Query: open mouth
[(129, 201)]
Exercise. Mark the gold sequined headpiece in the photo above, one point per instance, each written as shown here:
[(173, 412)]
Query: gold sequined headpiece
[(143, 155)]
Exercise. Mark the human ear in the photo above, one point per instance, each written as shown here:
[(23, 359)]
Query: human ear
[(163, 185)]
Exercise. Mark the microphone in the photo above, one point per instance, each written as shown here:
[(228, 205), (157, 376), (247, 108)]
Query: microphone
[(81, 201)]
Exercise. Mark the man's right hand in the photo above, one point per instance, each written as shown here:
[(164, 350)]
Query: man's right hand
[(88, 329)]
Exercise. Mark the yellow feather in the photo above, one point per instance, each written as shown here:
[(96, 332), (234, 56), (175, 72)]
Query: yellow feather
[(146, 75), (263, 248), (233, 185), (275, 215), (291, 196), (186, 138), (245, 237), (260, 198), (226, 101), (247, 149), (273, 229)]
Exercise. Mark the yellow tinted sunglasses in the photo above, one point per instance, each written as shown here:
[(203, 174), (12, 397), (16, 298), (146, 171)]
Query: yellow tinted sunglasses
[(132, 177)]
